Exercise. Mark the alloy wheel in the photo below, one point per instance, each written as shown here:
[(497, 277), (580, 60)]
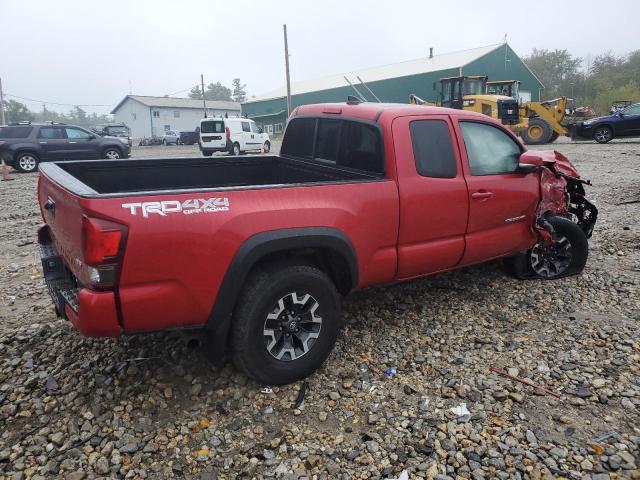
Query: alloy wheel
[(603, 135), (112, 154), (27, 163), (292, 327), (550, 261)]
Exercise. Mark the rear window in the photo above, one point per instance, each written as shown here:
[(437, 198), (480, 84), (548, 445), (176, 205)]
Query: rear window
[(15, 132), (298, 141), (361, 148), (432, 148), (214, 126), (345, 143)]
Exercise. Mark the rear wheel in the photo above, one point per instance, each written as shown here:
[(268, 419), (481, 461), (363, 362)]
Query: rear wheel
[(207, 154), (285, 324), (603, 134), (27, 162), (267, 147), (538, 132), (567, 254)]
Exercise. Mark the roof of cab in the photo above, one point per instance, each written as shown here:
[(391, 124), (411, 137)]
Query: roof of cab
[(373, 111)]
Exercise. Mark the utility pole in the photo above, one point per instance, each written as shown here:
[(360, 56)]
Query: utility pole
[(204, 102), (2, 122), (286, 62)]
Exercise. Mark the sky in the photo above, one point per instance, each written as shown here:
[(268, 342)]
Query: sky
[(86, 52)]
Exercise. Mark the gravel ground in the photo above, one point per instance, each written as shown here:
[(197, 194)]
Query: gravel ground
[(152, 407)]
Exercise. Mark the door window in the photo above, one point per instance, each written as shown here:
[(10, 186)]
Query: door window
[(51, 133), (254, 128), (432, 148), (632, 110), (490, 151), (76, 134), (212, 126), (246, 127)]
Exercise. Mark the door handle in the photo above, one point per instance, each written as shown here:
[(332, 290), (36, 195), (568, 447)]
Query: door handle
[(42, 143), (73, 142), (481, 195)]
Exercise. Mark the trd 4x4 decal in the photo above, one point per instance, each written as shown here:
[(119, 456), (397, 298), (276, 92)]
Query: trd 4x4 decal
[(188, 207)]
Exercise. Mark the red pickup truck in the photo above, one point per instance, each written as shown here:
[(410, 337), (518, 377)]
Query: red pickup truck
[(256, 251)]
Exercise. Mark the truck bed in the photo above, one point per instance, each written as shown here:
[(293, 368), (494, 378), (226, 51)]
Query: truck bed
[(115, 177)]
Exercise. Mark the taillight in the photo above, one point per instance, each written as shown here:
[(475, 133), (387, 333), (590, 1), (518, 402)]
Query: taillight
[(103, 242), (227, 133)]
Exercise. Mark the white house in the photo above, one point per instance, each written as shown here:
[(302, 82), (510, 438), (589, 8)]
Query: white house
[(148, 116)]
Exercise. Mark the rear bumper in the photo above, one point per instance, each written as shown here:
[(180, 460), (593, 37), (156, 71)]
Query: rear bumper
[(93, 313)]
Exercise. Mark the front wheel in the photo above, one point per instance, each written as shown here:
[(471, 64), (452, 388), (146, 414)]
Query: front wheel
[(267, 147), (603, 134), (566, 255), (285, 324), (538, 132), (235, 149), (27, 162), (112, 153)]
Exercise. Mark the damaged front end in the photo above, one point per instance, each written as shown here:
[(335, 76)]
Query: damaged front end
[(561, 193)]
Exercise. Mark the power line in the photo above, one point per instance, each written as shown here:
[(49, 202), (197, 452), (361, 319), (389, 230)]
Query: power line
[(57, 103), (181, 91)]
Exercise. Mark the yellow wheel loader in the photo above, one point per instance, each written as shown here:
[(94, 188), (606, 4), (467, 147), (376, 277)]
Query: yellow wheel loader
[(545, 119), (470, 93)]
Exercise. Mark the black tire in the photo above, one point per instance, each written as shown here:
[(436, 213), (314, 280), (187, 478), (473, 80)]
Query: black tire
[(267, 147), (207, 154), (235, 149), (260, 298), (603, 134), (111, 153), (26, 162), (538, 132), (530, 264), (554, 137)]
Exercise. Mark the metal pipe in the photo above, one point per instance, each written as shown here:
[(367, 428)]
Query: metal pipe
[(368, 89)]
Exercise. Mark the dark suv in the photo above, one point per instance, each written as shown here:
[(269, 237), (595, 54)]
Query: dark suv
[(25, 145)]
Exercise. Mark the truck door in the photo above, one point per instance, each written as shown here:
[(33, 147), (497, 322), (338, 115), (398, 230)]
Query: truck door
[(434, 203), (502, 203)]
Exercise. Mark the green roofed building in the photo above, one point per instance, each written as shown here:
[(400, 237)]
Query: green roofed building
[(395, 82)]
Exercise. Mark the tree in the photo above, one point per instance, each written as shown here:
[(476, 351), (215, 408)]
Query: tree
[(16, 112), (195, 92), (214, 91), (239, 95), (217, 91), (558, 70)]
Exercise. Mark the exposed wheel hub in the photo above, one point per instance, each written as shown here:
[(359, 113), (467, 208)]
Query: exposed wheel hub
[(292, 327)]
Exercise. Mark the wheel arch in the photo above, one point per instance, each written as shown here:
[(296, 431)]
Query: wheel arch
[(26, 149), (328, 248), (111, 147)]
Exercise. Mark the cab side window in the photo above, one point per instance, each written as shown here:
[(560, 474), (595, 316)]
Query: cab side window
[(490, 151), (632, 110), (246, 127), (432, 148)]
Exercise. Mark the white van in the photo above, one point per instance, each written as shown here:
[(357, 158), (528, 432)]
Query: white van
[(233, 135)]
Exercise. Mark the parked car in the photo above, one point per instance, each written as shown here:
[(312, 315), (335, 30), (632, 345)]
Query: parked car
[(188, 138), (115, 130), (232, 135), (623, 123), (262, 248), (169, 137), (24, 146)]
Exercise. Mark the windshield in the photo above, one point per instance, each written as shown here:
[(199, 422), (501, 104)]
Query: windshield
[(473, 87), (117, 131), (212, 126)]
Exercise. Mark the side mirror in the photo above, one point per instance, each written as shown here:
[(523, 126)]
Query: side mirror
[(260, 130), (529, 162), (92, 137)]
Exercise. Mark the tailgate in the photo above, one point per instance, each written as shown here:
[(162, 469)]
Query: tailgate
[(62, 211)]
